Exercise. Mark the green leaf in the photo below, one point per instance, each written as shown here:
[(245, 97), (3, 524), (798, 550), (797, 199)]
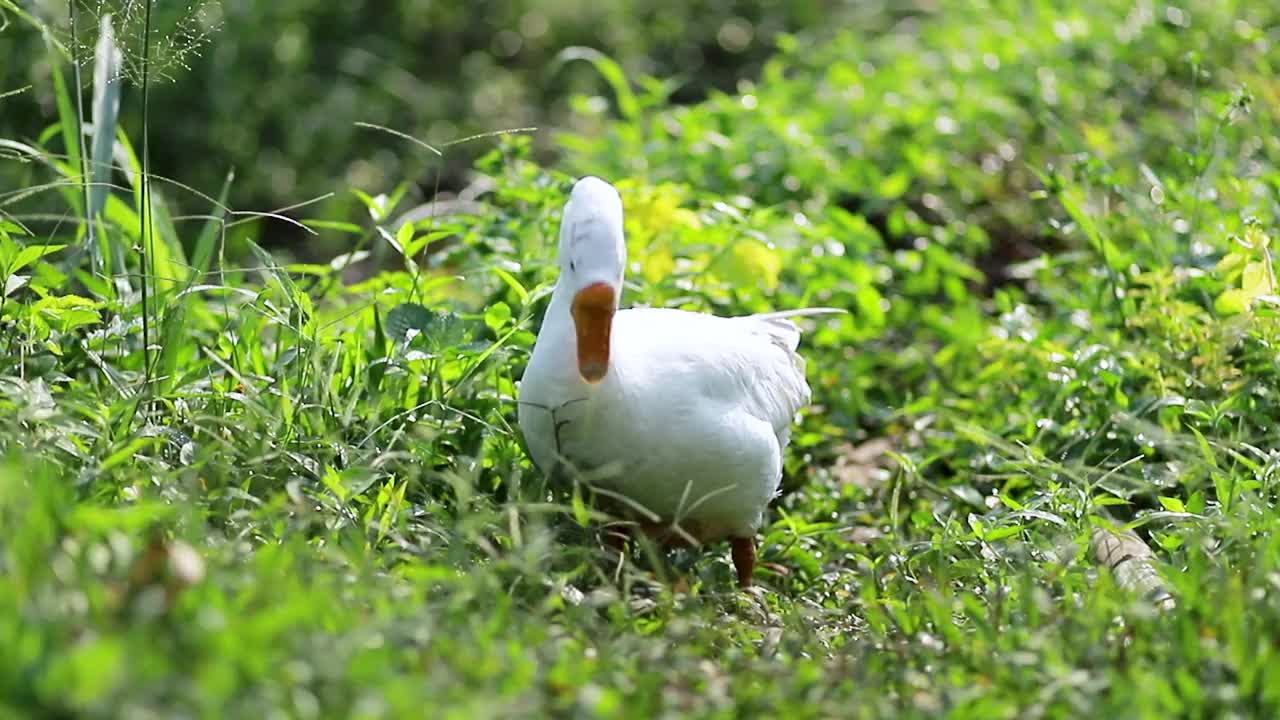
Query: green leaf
[(1224, 489), (403, 237), (497, 316), (894, 185), (1196, 503), (870, 305), (30, 254), (166, 257), (581, 513), (1002, 533), (513, 283), (68, 311), (333, 481), (413, 247), (1108, 500), (1232, 302), (1172, 504), (406, 317), (975, 524), (612, 73), (1010, 503), (127, 452), (88, 672), (1230, 263)]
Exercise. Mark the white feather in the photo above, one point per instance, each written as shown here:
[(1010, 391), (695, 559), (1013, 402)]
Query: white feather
[(692, 418)]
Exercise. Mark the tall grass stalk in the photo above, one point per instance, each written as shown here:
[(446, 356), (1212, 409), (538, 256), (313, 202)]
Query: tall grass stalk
[(148, 240), (84, 155)]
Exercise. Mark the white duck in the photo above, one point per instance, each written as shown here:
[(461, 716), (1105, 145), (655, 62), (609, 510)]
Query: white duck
[(681, 414)]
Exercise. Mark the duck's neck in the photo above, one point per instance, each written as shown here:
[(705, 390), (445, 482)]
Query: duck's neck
[(560, 309)]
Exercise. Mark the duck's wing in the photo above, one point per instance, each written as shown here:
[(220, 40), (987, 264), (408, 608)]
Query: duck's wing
[(748, 362), (777, 385)]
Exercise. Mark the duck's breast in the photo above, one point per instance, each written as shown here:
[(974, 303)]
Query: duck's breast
[(678, 420)]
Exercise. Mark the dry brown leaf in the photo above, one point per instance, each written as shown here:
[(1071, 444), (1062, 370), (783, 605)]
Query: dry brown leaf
[(865, 465)]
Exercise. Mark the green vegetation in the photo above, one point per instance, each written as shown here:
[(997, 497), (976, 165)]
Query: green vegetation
[(236, 484), (274, 89)]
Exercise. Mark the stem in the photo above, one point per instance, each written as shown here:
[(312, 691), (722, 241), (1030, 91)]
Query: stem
[(85, 175), (147, 229)]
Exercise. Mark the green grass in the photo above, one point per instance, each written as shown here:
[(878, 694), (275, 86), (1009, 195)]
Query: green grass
[(307, 497)]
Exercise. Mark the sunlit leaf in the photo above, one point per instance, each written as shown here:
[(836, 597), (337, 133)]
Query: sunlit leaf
[(750, 263)]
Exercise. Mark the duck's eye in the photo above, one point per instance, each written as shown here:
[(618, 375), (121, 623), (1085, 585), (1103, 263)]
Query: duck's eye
[(572, 267)]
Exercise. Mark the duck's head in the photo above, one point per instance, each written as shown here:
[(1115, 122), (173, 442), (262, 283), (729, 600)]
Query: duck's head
[(593, 253)]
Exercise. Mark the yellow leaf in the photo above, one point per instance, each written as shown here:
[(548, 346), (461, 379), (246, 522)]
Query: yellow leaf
[(1256, 279), (1232, 302), (1229, 263), (656, 226), (657, 263), (1099, 138), (750, 263)]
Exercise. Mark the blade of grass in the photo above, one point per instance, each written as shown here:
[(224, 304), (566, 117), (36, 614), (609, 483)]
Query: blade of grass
[(69, 124), (106, 109), (208, 239)]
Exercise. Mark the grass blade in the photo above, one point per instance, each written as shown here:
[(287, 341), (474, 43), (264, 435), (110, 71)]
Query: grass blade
[(208, 239), (106, 110)]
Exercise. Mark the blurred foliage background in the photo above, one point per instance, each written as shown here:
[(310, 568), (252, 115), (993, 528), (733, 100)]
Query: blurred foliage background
[(249, 484), (274, 90)]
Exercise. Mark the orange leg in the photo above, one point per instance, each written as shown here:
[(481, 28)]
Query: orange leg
[(744, 559)]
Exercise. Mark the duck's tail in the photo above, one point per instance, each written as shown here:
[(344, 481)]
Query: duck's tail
[(786, 335), (799, 312), (782, 330)]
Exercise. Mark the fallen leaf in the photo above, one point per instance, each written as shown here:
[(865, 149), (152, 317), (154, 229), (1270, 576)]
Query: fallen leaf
[(865, 465)]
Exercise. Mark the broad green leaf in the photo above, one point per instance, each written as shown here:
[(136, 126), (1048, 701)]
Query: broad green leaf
[(407, 317), (30, 254), (497, 316)]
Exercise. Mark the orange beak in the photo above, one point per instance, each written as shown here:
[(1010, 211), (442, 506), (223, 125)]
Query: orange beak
[(593, 308)]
